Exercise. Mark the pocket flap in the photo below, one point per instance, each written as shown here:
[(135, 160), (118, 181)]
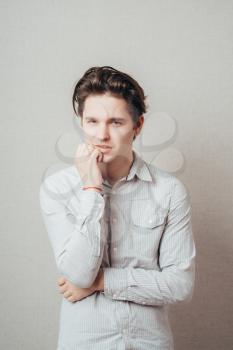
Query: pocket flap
[(147, 216)]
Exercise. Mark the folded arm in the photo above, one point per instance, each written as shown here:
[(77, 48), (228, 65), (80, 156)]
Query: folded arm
[(173, 281)]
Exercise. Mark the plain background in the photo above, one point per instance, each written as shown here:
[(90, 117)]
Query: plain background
[(181, 53)]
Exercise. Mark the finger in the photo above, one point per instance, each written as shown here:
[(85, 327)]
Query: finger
[(61, 281), (82, 150), (62, 289), (100, 156), (67, 294), (95, 154), (90, 148), (72, 299), (88, 144)]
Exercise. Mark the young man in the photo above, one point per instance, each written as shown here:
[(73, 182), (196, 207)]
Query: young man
[(119, 227)]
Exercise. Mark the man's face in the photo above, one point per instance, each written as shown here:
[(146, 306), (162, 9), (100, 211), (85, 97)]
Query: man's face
[(107, 122)]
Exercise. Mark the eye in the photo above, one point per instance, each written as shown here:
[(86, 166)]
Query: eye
[(91, 121), (116, 122)]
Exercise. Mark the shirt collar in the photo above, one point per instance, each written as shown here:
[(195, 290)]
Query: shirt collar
[(139, 168)]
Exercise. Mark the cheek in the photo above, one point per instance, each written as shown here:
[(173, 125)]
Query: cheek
[(126, 137), (88, 130), (123, 142), (123, 135)]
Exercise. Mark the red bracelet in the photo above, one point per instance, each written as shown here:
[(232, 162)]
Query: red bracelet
[(98, 188)]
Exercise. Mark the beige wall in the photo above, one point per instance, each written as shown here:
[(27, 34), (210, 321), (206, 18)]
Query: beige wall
[(181, 53)]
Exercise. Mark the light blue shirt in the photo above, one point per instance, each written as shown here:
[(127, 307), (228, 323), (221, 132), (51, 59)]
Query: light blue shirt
[(139, 232)]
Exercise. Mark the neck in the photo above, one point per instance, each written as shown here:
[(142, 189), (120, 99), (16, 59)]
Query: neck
[(118, 168)]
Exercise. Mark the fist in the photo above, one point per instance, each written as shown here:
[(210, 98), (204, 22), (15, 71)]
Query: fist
[(72, 292), (87, 158)]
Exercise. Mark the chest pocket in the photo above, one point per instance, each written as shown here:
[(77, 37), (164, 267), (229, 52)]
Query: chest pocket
[(147, 226)]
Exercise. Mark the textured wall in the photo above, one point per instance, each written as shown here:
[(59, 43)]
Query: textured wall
[(181, 53)]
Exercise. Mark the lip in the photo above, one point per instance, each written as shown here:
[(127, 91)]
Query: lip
[(103, 146), (104, 149)]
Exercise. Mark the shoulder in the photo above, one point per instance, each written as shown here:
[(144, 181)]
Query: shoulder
[(62, 179), (166, 181), (60, 186)]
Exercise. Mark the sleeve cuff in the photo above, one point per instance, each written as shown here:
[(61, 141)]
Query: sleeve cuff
[(115, 283)]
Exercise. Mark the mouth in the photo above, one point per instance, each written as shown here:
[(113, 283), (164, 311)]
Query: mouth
[(104, 148)]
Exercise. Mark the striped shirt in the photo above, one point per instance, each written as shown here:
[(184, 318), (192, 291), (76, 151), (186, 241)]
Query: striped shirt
[(139, 232)]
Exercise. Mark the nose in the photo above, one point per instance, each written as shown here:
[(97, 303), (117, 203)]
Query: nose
[(103, 133)]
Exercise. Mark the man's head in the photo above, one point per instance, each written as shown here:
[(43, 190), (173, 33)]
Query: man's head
[(111, 106)]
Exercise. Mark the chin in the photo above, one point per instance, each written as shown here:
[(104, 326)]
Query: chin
[(108, 158)]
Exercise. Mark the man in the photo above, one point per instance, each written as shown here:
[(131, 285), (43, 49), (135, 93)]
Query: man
[(119, 227)]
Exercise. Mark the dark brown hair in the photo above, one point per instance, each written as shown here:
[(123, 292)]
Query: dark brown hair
[(106, 79)]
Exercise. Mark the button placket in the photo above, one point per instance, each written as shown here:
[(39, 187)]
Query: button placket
[(123, 316)]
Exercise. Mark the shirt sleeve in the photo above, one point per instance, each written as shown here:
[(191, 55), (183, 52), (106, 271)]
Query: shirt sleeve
[(74, 231), (173, 282)]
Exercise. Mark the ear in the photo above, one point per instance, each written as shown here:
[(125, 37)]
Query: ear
[(139, 125)]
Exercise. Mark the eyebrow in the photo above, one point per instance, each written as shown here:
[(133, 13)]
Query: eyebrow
[(115, 118)]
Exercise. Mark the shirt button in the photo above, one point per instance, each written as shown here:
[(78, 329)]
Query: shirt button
[(114, 219), (114, 295), (143, 302)]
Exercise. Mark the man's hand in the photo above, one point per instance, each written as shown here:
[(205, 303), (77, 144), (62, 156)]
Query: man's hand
[(87, 158), (73, 293)]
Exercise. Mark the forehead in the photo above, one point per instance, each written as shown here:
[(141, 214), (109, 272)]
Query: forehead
[(105, 105)]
